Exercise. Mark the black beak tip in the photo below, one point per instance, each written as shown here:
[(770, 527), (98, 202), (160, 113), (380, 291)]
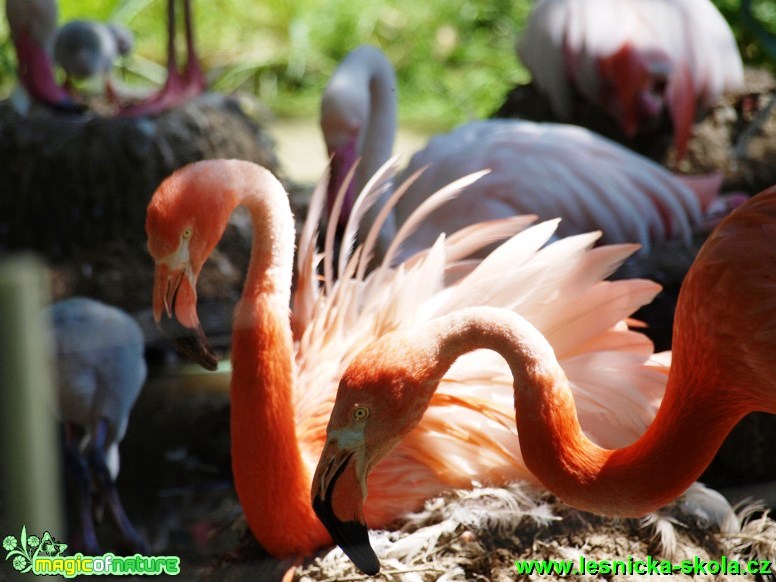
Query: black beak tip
[(190, 343), (209, 361), (351, 536), (369, 565)]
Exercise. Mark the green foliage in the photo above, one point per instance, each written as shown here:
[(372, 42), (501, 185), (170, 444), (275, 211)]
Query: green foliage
[(454, 58), (753, 47)]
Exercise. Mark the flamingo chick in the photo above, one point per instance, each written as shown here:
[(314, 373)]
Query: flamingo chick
[(635, 59), (179, 87), (85, 48), (101, 370), (33, 25), (286, 364), (722, 369), (547, 169)]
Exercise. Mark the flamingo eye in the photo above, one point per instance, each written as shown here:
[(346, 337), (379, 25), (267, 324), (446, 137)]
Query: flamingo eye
[(360, 413), (187, 232)]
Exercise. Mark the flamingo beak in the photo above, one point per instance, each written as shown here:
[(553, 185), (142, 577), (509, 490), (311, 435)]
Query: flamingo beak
[(175, 311), (343, 161), (632, 77), (338, 495), (681, 104)]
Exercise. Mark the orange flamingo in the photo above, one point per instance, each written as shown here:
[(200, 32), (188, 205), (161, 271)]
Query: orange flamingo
[(636, 59), (286, 370), (722, 369)]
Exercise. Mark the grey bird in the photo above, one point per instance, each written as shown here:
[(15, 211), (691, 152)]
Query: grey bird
[(100, 372)]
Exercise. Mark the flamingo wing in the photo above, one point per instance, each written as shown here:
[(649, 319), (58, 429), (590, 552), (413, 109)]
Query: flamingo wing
[(551, 170), (468, 433)]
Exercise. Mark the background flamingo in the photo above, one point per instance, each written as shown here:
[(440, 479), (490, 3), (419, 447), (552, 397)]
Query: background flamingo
[(85, 48), (546, 169), (636, 59), (721, 370), (100, 372), (33, 25), (179, 87), (285, 372)]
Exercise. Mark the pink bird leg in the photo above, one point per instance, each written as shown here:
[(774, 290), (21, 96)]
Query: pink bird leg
[(179, 87)]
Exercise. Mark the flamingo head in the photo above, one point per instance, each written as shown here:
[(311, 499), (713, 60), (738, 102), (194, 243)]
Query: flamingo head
[(381, 397), (634, 85), (184, 221)]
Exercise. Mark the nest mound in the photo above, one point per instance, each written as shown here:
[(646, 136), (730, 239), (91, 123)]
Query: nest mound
[(76, 187), (479, 534), (75, 182)]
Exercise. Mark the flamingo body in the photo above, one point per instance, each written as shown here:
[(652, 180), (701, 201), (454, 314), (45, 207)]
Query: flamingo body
[(636, 59), (550, 170), (100, 371), (721, 370), (286, 365), (100, 365)]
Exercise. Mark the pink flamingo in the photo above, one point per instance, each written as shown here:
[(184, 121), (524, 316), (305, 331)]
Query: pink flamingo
[(722, 369), (286, 364), (179, 87), (636, 59), (546, 169), (33, 25)]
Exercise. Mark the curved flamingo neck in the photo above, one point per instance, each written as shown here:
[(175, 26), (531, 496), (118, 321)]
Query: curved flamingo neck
[(691, 424), (375, 142), (361, 98), (272, 482)]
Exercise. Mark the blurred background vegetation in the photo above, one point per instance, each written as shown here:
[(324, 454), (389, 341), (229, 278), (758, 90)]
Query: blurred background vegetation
[(455, 58)]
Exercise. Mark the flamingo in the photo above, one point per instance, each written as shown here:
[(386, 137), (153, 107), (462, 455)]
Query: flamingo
[(635, 59), (286, 363), (178, 88), (100, 370), (722, 369), (86, 48), (33, 25), (545, 169)]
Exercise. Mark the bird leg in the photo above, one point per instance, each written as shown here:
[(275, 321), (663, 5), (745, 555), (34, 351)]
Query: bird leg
[(174, 83), (195, 79), (173, 86), (107, 486), (78, 476), (178, 87)]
